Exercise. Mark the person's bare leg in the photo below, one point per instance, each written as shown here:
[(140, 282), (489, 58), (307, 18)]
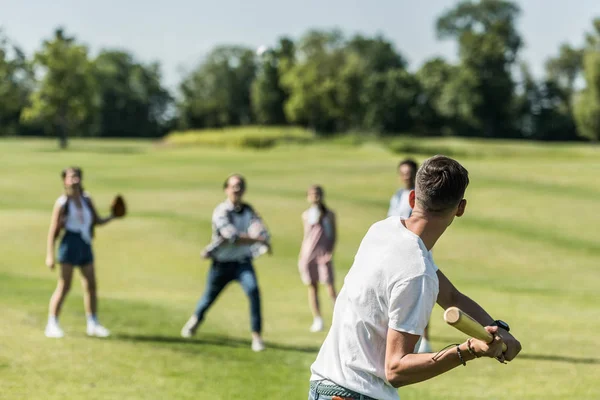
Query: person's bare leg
[(88, 282), (313, 299), (313, 302), (331, 292), (90, 302), (62, 289), (56, 301)]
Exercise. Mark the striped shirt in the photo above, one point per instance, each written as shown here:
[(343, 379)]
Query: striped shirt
[(228, 222)]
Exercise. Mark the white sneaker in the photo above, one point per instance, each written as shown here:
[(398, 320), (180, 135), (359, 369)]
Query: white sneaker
[(317, 325), (424, 346), (53, 331), (97, 330), (189, 329), (258, 345)]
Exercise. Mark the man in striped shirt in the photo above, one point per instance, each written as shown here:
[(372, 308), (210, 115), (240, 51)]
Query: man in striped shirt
[(239, 236)]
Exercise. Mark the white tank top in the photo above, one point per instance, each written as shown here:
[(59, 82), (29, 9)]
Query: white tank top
[(78, 220)]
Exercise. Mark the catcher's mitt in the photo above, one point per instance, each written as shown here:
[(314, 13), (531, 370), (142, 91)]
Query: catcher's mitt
[(118, 207)]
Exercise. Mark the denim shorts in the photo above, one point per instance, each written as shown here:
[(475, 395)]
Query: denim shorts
[(74, 250)]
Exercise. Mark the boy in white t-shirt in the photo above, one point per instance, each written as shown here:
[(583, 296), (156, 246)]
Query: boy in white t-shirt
[(388, 295)]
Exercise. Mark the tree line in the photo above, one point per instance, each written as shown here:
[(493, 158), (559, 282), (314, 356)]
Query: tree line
[(324, 81)]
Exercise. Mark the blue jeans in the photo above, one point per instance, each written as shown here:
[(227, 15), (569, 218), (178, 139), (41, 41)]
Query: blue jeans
[(220, 274)]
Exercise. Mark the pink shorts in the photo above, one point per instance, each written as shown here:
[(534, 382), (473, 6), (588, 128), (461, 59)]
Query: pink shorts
[(314, 272)]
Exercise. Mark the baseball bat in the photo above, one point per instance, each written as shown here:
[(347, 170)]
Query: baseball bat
[(467, 325)]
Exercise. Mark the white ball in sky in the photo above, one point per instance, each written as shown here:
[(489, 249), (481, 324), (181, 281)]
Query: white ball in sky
[(261, 50)]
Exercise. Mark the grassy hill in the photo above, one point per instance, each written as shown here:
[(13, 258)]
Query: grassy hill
[(527, 249)]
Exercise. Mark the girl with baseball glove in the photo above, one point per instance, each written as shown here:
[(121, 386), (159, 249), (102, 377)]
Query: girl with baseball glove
[(74, 214)]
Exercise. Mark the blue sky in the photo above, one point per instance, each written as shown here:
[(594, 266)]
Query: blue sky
[(178, 32)]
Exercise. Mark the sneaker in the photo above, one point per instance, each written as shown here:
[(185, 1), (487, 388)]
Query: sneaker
[(97, 330), (423, 346), (189, 329), (317, 325), (53, 331), (257, 345)]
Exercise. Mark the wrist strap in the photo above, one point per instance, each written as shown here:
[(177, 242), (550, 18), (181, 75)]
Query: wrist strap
[(462, 360)]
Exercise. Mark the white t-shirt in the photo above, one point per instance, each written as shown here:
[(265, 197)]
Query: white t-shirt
[(399, 204), (392, 283), (79, 220)]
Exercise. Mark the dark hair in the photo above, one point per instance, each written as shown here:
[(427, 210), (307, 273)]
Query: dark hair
[(441, 184), (410, 162), (77, 171), (321, 204), (239, 176)]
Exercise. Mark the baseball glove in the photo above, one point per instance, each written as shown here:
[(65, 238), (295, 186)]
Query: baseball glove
[(118, 207)]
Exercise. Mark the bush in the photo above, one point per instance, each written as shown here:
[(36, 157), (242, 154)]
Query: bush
[(255, 137)]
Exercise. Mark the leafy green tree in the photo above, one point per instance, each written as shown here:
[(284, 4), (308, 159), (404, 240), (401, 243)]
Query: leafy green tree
[(587, 104), (541, 109), (333, 83), (433, 115), (16, 82), (65, 98), (392, 98), (488, 46), (267, 95), (133, 100), (217, 93), (312, 81), (565, 69)]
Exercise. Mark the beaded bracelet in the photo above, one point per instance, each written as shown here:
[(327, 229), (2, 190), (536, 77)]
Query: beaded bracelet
[(471, 349), (460, 356)]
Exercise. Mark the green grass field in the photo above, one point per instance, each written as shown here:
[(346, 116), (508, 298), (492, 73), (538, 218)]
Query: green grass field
[(527, 249)]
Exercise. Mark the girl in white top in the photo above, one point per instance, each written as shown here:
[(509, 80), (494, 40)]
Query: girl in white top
[(74, 212)]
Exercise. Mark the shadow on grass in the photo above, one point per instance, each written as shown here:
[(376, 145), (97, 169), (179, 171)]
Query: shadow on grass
[(214, 340), (571, 360)]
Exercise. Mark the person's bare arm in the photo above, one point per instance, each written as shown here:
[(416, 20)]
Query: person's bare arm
[(53, 232), (98, 220), (403, 367), (450, 296)]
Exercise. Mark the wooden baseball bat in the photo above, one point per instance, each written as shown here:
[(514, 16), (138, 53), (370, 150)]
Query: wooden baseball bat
[(467, 325)]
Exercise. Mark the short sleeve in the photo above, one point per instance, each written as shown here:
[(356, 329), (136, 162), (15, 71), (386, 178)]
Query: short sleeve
[(410, 305), (61, 201)]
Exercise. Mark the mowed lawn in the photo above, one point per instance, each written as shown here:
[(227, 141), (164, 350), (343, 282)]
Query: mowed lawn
[(528, 249)]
